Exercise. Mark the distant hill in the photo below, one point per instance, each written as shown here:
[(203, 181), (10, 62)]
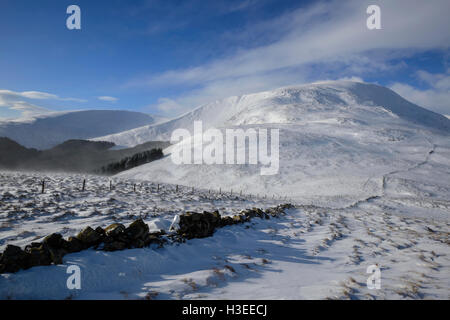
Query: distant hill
[(47, 131), (11, 152), (72, 156)]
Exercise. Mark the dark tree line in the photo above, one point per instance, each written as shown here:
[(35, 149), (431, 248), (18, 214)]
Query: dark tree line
[(133, 161)]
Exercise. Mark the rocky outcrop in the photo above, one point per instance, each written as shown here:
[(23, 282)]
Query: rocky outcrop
[(118, 237), (74, 244), (198, 225), (54, 247), (137, 235), (115, 230), (51, 250), (89, 237), (13, 259), (201, 225)]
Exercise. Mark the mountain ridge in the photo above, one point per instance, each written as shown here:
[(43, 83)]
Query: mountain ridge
[(46, 131), (291, 104), (337, 146)]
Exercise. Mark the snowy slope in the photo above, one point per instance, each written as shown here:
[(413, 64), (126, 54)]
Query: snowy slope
[(310, 253), (48, 130), (338, 141), (323, 101)]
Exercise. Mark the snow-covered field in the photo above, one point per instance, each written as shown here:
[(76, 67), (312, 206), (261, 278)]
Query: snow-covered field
[(27, 215), (310, 253)]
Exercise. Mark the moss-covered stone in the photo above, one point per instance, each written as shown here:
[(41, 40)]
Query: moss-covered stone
[(115, 246), (14, 259), (39, 254), (55, 240), (100, 231), (137, 230), (137, 243), (226, 221), (153, 238), (57, 255), (238, 218), (198, 225), (89, 237), (115, 230), (74, 244)]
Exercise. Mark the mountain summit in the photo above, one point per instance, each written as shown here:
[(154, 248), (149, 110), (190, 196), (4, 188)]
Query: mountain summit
[(339, 142), (332, 101)]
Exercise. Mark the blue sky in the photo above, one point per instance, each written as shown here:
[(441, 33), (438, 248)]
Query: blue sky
[(166, 57)]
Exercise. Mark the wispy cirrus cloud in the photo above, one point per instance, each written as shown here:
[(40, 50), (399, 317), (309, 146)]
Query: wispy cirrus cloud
[(21, 103), (108, 98), (435, 97), (164, 16), (327, 35), (38, 95)]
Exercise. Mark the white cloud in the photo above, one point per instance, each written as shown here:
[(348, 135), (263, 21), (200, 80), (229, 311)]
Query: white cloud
[(169, 106), (353, 78), (328, 35), (440, 81), (27, 109), (436, 97), (38, 95), (242, 5), (108, 99), (17, 101)]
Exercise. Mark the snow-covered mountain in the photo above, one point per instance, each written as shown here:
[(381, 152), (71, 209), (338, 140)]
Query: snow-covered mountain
[(338, 100), (48, 130), (340, 142)]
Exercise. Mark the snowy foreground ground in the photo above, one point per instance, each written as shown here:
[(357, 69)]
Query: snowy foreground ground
[(310, 253)]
